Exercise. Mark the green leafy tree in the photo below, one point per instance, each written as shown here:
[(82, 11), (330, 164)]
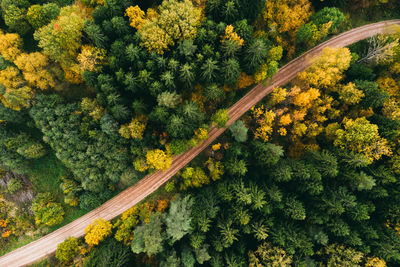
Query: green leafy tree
[(220, 118), (158, 33), (363, 137), (46, 210), (239, 131), (14, 185), (14, 15), (39, 16), (228, 233), (329, 14), (67, 250), (178, 219), (61, 39), (148, 237), (338, 255)]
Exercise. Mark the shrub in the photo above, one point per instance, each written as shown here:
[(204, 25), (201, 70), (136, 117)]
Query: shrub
[(14, 185), (67, 250), (97, 231), (47, 211), (220, 118)]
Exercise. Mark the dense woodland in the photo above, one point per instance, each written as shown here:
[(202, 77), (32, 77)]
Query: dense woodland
[(95, 94)]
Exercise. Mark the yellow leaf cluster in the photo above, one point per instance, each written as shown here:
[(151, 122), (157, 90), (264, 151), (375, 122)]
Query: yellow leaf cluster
[(176, 21), (261, 74), (34, 69), (327, 69), (264, 119), (134, 129), (299, 129), (375, 262), (10, 46), (216, 168), (230, 34), (391, 109), (390, 86), (201, 134), (285, 120), (158, 159), (216, 147), (286, 15), (277, 96), (194, 177), (136, 16), (244, 80), (91, 58), (306, 98), (361, 136), (282, 131), (11, 77), (97, 231), (15, 94), (350, 94), (72, 74), (93, 108), (140, 165)]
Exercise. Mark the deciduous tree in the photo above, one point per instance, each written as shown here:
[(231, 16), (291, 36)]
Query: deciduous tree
[(67, 250), (47, 211), (97, 231)]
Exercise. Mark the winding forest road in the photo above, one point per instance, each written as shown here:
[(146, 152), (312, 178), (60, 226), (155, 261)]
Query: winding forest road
[(46, 245)]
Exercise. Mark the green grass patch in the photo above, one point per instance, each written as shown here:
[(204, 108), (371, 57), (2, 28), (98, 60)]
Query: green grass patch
[(46, 174)]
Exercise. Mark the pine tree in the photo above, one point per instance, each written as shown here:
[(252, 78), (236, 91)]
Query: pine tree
[(231, 71), (209, 70)]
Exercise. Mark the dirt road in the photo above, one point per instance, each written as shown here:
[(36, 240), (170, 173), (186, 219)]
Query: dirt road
[(131, 196)]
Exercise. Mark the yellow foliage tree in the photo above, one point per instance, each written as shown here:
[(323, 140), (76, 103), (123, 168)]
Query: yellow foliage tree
[(14, 93), (175, 22), (390, 86), (264, 118), (91, 58), (230, 34), (136, 16), (158, 159), (305, 99), (327, 69), (244, 80), (93, 108), (134, 129), (391, 109), (350, 94), (10, 46), (97, 231), (277, 96), (10, 77), (361, 136), (215, 168), (34, 69), (285, 120), (194, 177), (286, 17), (375, 262)]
